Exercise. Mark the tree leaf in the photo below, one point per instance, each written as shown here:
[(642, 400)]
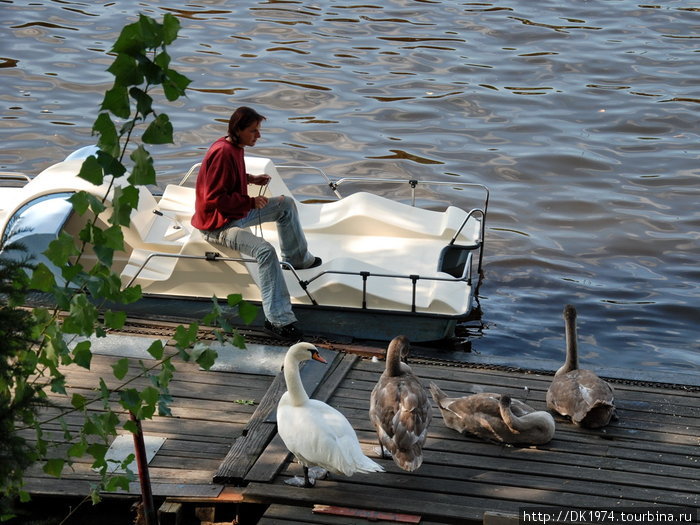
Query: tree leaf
[(78, 401), (185, 336), (234, 299), (154, 74), (104, 393), (150, 395), (120, 482), (78, 450), (82, 317), (42, 278), (97, 451), (247, 312), (131, 426), (58, 385), (54, 467), (129, 41), (82, 356), (125, 70), (120, 368), (61, 249), (109, 139), (111, 165), (206, 358), (171, 26), (130, 399), (143, 172), (125, 200), (80, 201), (116, 100), (91, 171), (131, 294), (115, 320), (238, 340), (156, 349), (159, 131), (162, 60), (151, 32), (144, 102), (174, 85)]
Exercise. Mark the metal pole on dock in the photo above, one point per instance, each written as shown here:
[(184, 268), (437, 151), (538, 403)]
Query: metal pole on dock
[(144, 477)]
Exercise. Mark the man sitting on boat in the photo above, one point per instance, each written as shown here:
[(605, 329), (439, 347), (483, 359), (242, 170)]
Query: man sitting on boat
[(223, 209)]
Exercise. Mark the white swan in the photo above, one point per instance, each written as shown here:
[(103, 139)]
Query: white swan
[(316, 433), (579, 394), (495, 417), (400, 409)]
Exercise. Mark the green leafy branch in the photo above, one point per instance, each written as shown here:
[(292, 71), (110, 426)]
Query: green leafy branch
[(59, 336)]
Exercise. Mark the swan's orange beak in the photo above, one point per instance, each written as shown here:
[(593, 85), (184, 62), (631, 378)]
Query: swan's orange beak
[(317, 357)]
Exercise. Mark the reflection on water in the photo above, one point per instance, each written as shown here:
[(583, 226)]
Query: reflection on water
[(580, 117)]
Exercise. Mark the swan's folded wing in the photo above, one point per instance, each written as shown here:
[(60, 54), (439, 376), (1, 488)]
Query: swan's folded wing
[(412, 420), (384, 403)]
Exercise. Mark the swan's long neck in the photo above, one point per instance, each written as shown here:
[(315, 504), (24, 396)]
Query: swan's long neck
[(531, 422), (393, 357), (393, 364), (293, 379), (514, 422), (571, 341)]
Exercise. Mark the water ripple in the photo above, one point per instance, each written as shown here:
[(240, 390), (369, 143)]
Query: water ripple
[(581, 119)]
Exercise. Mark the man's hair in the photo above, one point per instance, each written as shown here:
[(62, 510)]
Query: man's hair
[(240, 120)]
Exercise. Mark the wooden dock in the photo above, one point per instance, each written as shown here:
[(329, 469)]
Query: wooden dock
[(221, 451)]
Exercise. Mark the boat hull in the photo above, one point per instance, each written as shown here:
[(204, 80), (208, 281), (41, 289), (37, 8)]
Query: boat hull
[(332, 323)]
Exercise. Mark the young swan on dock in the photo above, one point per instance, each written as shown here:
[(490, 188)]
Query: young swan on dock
[(316, 433), (400, 409), (495, 417), (579, 394)]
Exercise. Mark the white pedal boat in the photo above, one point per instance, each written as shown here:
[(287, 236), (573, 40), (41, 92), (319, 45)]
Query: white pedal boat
[(388, 267)]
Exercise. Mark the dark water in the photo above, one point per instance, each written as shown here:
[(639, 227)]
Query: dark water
[(581, 117)]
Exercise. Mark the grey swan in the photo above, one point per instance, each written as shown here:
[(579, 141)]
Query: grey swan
[(400, 409), (316, 433), (579, 393), (495, 417)]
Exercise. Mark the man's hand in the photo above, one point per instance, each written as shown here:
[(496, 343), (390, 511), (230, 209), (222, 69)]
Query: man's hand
[(260, 180), (260, 201)]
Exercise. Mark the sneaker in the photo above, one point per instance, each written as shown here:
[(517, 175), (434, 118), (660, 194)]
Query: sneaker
[(317, 262), (284, 332)]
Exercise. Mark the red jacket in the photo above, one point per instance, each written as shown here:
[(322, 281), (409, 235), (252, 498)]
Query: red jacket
[(222, 187)]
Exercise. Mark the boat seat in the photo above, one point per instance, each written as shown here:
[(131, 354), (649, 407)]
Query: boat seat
[(379, 216), (194, 276), (177, 199), (155, 227), (455, 259)]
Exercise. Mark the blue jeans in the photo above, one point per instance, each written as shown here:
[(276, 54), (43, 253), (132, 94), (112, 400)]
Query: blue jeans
[(273, 289)]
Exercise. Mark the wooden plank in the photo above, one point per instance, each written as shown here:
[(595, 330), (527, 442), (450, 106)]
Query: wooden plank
[(505, 485), (170, 513), (246, 448), (440, 507), (278, 514), (270, 462), (261, 427), (371, 515), (326, 514), (275, 455), (81, 487)]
